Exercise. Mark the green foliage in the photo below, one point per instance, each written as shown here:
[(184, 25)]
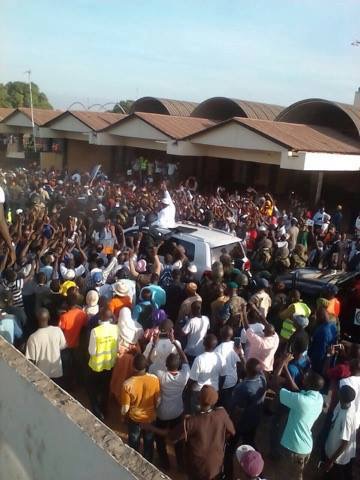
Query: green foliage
[(125, 104), (16, 94)]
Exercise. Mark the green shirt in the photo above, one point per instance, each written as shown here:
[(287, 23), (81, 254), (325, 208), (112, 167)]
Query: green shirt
[(305, 407)]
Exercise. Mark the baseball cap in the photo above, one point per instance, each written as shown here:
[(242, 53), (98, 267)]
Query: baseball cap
[(250, 460), (97, 277)]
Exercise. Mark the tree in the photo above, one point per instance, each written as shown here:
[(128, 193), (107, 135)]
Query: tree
[(16, 94), (124, 104)]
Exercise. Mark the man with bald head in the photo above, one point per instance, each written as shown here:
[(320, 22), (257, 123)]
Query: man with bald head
[(44, 346)]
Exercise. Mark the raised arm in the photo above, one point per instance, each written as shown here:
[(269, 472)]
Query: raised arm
[(4, 232)]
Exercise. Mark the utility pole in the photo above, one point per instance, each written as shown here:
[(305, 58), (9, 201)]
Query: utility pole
[(28, 72)]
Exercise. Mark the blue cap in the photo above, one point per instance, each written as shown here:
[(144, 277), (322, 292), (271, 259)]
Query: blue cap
[(97, 277)]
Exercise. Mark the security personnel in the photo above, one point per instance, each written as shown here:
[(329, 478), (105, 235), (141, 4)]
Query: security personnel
[(296, 307), (103, 346)]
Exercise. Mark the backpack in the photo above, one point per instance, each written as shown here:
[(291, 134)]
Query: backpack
[(166, 277)]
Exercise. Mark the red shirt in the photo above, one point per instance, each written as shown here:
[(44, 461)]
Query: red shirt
[(71, 323)]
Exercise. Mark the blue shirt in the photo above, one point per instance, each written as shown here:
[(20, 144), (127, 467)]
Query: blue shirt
[(297, 369), (138, 308), (158, 295), (324, 336), (249, 396), (305, 407)]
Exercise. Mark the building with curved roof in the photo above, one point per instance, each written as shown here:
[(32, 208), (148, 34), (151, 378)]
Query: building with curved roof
[(222, 108), (163, 106), (316, 111)]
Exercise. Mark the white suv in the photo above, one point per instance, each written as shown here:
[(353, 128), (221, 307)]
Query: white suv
[(203, 245)]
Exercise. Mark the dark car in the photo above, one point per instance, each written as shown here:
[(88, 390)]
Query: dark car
[(312, 283)]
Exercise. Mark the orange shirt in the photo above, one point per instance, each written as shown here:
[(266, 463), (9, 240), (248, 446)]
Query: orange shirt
[(334, 307), (117, 303), (141, 394), (71, 323)]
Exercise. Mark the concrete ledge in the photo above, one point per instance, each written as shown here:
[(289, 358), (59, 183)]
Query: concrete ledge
[(99, 434)]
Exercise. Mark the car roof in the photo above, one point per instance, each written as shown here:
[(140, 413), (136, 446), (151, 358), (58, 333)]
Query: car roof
[(199, 233), (212, 236), (320, 276)]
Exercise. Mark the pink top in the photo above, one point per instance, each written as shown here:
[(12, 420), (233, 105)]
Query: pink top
[(262, 348)]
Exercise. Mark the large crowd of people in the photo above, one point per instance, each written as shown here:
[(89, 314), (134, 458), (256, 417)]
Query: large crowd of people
[(196, 361)]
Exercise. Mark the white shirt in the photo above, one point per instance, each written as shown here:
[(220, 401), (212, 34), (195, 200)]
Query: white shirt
[(166, 216), (354, 382), (343, 427), (80, 270), (229, 360), (172, 387), (196, 329), (161, 351), (43, 348), (2, 195), (206, 370)]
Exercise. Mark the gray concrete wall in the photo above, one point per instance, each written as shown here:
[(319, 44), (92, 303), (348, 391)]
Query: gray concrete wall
[(47, 435)]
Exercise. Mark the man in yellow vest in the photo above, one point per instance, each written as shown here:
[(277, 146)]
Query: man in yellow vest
[(296, 307), (103, 346)]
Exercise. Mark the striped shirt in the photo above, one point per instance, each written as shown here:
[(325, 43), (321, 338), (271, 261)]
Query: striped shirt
[(16, 290)]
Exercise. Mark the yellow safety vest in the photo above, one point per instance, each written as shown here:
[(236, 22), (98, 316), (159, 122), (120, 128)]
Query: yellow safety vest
[(106, 337), (288, 327)]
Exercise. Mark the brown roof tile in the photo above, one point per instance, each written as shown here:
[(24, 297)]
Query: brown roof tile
[(41, 115), (309, 138), (172, 126), (5, 112), (97, 120), (175, 126), (93, 120)]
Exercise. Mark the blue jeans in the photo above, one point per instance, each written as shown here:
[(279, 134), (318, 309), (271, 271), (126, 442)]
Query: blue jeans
[(134, 435)]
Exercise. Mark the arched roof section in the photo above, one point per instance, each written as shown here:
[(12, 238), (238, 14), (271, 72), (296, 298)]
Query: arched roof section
[(222, 108), (163, 106), (316, 111)]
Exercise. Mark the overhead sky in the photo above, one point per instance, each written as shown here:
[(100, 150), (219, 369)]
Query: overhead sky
[(277, 51)]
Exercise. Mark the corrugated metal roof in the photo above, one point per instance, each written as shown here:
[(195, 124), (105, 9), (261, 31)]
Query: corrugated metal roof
[(173, 126), (222, 108), (5, 112), (317, 111), (164, 106), (93, 120), (41, 115), (97, 120), (300, 137)]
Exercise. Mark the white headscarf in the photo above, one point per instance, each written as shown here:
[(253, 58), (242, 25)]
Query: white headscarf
[(130, 331)]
